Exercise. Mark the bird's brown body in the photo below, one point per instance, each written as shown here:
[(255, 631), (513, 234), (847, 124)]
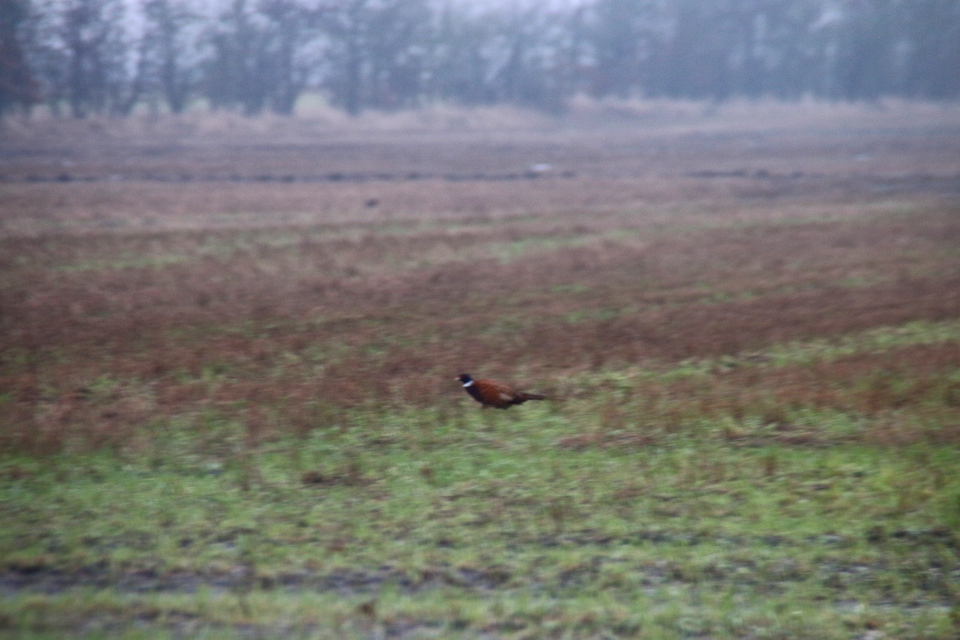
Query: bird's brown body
[(491, 393)]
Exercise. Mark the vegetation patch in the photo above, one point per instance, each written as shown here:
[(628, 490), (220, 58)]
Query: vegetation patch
[(253, 429)]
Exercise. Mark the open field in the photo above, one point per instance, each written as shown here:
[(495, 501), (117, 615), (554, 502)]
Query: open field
[(228, 350)]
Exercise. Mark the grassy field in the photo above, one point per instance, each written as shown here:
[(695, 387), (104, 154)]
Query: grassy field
[(228, 350)]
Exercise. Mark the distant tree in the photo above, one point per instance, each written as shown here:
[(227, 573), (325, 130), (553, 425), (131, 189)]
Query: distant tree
[(170, 51), (348, 28), (788, 49), (687, 62), (932, 50), (378, 53), (45, 54), (259, 55), (460, 69), (101, 70), (520, 56), (237, 73), (397, 55), (573, 56), (290, 28), (866, 49), (84, 32), (108, 56), (18, 86), (623, 42), (763, 47), (127, 69)]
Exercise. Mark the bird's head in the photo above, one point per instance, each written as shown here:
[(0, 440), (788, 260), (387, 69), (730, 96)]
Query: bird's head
[(465, 378)]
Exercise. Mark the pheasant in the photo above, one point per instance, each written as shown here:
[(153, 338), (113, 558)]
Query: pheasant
[(491, 393)]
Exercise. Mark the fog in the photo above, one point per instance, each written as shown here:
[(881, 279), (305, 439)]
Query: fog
[(82, 57)]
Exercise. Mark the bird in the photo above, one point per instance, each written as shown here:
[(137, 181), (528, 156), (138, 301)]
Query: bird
[(491, 393)]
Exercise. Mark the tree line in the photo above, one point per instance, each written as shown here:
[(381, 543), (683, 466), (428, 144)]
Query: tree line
[(81, 57)]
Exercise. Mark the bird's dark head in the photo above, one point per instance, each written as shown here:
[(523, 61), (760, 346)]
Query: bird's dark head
[(465, 378)]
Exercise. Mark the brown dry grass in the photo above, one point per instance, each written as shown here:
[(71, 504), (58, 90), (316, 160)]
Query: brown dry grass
[(282, 305)]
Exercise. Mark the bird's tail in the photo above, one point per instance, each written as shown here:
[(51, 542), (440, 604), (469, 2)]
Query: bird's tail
[(532, 396)]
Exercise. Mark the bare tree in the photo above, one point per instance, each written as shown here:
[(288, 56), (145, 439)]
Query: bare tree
[(866, 49), (170, 50), (238, 73), (286, 24), (397, 53), (102, 73), (459, 65), (624, 38), (348, 27), (390, 54), (932, 50), (524, 57), (18, 87)]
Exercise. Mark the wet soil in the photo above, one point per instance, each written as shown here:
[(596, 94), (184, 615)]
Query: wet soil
[(369, 581)]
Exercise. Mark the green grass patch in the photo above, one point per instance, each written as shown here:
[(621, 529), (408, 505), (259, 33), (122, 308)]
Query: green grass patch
[(443, 526)]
